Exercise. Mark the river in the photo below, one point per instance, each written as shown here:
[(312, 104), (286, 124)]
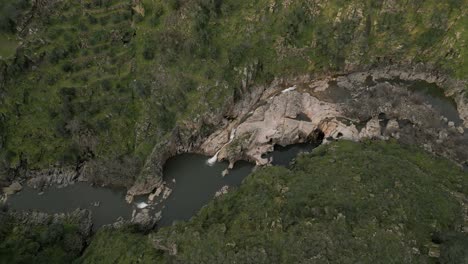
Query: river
[(193, 181)]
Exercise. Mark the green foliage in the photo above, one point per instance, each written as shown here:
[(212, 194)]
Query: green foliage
[(119, 246), (10, 10), (47, 243), (175, 4), (130, 70), (346, 202), (8, 45)]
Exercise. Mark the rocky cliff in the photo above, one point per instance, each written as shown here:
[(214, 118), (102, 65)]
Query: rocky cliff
[(356, 106)]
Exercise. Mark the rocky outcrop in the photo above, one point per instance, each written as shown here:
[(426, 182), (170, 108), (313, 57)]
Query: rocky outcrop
[(274, 122), (79, 217), (162, 244), (354, 107), (185, 138), (224, 190), (146, 219), (452, 88), (55, 176), (12, 189)]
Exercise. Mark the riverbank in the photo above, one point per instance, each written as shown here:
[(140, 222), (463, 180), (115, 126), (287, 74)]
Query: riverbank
[(333, 204), (351, 106), (315, 88)]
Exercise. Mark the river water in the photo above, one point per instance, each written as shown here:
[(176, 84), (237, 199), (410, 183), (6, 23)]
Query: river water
[(282, 156), (194, 183), (106, 204), (433, 95)]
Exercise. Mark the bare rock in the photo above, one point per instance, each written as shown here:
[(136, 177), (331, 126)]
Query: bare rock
[(55, 176), (222, 191), (81, 217), (160, 244), (144, 220), (129, 198), (275, 123), (392, 126), (371, 130), (12, 189), (158, 216), (434, 251), (167, 193), (151, 197)]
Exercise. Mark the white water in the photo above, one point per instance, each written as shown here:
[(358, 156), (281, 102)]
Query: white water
[(142, 205), (211, 161), (292, 88)]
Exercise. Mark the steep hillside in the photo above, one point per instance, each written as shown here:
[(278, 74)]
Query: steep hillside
[(343, 203), (94, 86)]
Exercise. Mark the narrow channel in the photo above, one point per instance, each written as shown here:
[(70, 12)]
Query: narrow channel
[(193, 182), (106, 204)]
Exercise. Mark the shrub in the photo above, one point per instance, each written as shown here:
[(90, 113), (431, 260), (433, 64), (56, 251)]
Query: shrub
[(149, 52), (174, 4)]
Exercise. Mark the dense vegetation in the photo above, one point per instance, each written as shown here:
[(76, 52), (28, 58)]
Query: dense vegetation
[(106, 80), (48, 242), (11, 12), (343, 203)]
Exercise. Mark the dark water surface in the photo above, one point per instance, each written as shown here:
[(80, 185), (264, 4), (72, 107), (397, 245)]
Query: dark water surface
[(79, 195), (433, 95), (195, 185), (282, 156)]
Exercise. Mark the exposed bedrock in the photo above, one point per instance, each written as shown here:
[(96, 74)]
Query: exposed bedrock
[(368, 104), (354, 107), (80, 217)]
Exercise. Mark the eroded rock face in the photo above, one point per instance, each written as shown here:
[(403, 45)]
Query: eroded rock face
[(145, 219), (12, 189), (185, 138), (56, 176), (275, 123), (374, 110), (222, 191), (356, 106), (81, 217)]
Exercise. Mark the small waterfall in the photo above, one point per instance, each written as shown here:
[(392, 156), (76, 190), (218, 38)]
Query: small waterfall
[(232, 135), (292, 88), (211, 161)]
